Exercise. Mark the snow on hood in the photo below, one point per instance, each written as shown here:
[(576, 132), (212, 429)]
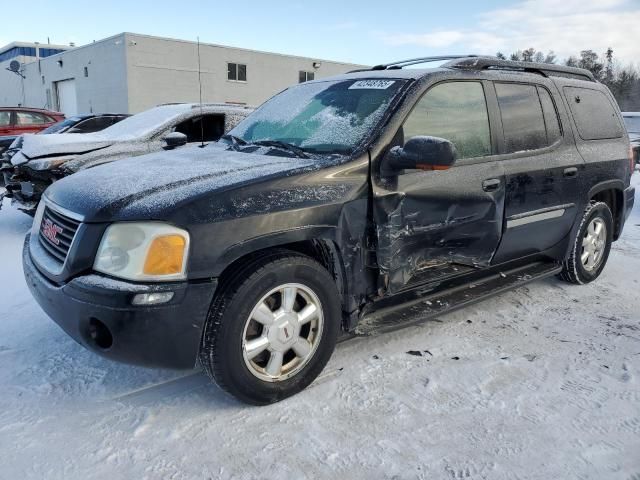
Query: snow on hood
[(36, 146), (151, 186)]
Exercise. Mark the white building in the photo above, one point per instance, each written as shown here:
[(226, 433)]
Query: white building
[(128, 73)]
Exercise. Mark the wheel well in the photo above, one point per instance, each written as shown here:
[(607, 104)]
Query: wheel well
[(615, 200), (325, 252)]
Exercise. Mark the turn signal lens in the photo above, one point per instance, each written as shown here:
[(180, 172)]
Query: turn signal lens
[(165, 255)]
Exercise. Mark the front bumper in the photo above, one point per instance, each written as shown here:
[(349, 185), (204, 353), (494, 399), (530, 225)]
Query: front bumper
[(166, 335)]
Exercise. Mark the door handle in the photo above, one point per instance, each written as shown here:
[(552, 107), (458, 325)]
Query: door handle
[(570, 172), (491, 185)]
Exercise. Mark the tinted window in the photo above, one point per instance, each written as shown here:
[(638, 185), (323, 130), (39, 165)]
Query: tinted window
[(595, 116), (456, 111), (92, 125), (550, 116), (210, 130), (237, 71), (522, 119), (29, 118), (5, 119)]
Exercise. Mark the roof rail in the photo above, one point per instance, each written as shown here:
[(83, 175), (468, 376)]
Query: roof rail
[(546, 69), (413, 61)]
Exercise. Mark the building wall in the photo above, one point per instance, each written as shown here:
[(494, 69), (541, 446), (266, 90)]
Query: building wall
[(165, 70), (11, 84), (129, 73), (104, 89)]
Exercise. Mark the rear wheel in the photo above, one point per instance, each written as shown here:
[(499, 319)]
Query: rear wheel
[(591, 246), (271, 328)]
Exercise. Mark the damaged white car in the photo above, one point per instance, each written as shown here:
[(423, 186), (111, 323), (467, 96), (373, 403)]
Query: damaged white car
[(43, 159)]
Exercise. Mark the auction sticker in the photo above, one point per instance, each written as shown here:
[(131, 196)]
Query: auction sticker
[(372, 84)]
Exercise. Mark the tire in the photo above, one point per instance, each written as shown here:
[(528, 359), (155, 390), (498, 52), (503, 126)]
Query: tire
[(232, 331), (575, 269)]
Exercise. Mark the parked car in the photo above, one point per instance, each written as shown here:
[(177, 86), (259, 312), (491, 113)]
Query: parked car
[(87, 123), (43, 159), (19, 120), (5, 142), (335, 204), (632, 122)]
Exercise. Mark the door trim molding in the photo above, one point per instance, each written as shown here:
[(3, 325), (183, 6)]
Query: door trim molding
[(538, 215)]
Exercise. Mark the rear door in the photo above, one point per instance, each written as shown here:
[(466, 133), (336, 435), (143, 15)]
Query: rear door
[(434, 224), (543, 170)]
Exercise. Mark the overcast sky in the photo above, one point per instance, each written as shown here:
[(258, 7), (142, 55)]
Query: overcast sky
[(366, 32)]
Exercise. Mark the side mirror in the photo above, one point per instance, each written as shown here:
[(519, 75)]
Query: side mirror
[(175, 139), (423, 153)]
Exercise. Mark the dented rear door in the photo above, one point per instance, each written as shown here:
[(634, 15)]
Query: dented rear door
[(433, 224)]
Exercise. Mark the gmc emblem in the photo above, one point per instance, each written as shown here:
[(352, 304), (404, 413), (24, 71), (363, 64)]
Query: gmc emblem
[(51, 231)]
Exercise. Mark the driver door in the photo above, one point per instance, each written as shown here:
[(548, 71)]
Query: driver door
[(434, 224)]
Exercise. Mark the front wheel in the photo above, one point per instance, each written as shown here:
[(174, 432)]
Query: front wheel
[(591, 246), (271, 328)]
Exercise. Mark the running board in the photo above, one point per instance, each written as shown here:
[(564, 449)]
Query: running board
[(409, 313)]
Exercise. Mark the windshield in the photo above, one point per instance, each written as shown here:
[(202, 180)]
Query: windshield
[(61, 126), (633, 124), (323, 117), (143, 123)]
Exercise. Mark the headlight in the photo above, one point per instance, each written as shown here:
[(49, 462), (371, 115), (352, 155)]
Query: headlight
[(143, 251), (49, 164)]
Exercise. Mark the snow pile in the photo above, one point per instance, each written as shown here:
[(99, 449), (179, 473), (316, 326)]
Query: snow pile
[(542, 382)]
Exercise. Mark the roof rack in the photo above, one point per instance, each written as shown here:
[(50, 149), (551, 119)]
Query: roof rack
[(412, 61), (494, 63)]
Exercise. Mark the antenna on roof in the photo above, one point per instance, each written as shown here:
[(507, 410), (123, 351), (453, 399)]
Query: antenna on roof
[(201, 109)]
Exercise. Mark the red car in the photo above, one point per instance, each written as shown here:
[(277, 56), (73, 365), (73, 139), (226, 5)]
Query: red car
[(19, 120)]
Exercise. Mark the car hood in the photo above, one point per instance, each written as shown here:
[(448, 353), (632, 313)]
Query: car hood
[(155, 186), (634, 137), (39, 146)]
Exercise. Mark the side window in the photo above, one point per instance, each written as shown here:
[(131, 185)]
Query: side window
[(5, 119), (29, 118), (92, 125), (595, 116), (550, 116), (455, 111), (522, 119), (212, 126)]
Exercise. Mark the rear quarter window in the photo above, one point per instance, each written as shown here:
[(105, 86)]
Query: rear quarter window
[(594, 114)]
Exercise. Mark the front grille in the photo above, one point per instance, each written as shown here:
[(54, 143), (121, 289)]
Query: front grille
[(56, 233)]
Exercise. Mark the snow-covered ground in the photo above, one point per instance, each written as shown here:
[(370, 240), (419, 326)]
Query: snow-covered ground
[(542, 382)]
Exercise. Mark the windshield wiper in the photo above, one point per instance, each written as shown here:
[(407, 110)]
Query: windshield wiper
[(235, 140), (299, 152)]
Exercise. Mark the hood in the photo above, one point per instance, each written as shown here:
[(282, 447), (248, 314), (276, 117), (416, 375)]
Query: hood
[(154, 186), (634, 137), (39, 146)]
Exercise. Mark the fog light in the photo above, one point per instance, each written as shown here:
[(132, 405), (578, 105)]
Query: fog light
[(152, 298)]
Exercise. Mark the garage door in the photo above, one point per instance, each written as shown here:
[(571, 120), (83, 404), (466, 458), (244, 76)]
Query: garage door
[(67, 99)]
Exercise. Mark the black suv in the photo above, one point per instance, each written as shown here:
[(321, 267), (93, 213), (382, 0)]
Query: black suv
[(333, 206)]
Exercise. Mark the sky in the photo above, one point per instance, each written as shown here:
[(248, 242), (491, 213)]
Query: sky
[(357, 31)]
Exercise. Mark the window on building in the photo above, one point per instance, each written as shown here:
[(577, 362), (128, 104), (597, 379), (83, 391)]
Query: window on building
[(305, 76), (595, 117), (30, 118), (86, 71), (522, 119), (208, 128), (237, 72), (455, 111), (5, 119)]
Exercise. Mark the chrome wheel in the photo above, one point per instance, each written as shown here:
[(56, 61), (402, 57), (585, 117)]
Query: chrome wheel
[(594, 243), (282, 332)]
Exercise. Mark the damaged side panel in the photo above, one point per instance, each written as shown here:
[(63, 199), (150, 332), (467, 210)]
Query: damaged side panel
[(429, 220)]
